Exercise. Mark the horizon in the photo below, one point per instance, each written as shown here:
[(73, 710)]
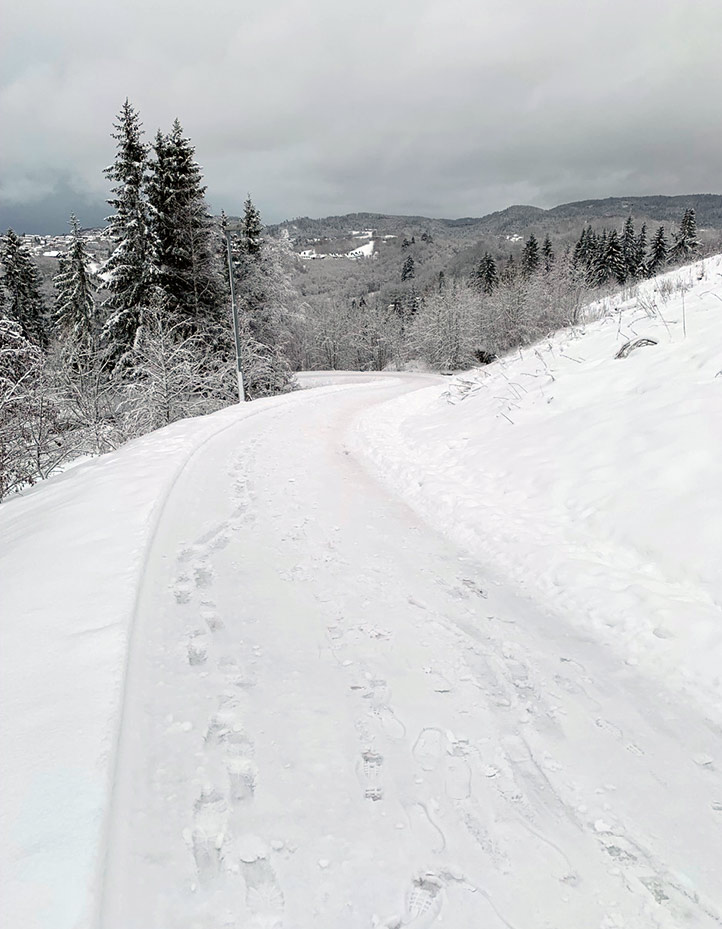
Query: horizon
[(57, 231)]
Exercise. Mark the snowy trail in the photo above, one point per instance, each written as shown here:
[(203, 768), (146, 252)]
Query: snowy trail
[(334, 717)]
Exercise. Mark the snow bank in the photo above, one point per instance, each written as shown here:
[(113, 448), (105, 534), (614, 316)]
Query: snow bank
[(591, 480)]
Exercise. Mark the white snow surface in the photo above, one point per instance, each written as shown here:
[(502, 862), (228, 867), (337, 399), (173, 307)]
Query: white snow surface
[(363, 251), (590, 480), (243, 684)]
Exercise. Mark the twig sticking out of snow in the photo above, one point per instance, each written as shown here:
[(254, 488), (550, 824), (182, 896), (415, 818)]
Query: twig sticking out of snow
[(629, 347)]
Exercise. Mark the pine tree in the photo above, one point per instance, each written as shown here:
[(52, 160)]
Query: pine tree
[(614, 258), (486, 278), (686, 242), (20, 280), (598, 272), (580, 256), (629, 248), (76, 312), (185, 264), (658, 253), (640, 252), (251, 233), (407, 271), (129, 266), (530, 256), (547, 253)]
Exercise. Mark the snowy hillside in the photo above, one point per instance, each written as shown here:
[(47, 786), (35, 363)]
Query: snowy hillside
[(591, 480)]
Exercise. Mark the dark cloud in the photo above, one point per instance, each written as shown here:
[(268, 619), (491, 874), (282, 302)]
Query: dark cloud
[(454, 108)]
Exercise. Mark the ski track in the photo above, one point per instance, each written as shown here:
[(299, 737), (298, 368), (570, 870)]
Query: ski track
[(328, 730)]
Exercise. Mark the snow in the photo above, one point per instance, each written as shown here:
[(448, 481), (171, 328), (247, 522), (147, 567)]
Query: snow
[(589, 480), (71, 557), (246, 684), (363, 251)]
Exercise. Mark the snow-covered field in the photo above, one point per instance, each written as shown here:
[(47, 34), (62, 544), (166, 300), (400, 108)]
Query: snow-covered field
[(243, 684)]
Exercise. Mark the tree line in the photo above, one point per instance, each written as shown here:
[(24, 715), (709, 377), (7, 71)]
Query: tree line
[(146, 338)]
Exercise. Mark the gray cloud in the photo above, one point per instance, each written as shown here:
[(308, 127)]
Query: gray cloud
[(445, 108)]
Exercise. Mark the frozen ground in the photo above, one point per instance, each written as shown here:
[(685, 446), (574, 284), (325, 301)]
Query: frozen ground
[(245, 685)]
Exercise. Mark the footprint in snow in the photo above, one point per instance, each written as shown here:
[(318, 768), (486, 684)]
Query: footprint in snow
[(202, 576), (210, 820), (422, 905), (242, 772), (212, 620), (264, 897), (197, 648), (429, 749), (182, 589)]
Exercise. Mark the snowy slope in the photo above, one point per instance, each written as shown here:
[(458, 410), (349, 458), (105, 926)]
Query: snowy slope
[(592, 481)]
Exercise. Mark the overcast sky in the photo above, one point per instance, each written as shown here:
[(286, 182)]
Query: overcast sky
[(435, 107)]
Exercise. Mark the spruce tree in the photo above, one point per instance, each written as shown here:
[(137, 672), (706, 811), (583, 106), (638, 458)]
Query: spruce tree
[(185, 263), (251, 233), (629, 248), (486, 278), (640, 252), (407, 271), (76, 312), (20, 281), (530, 256), (686, 242), (547, 253), (580, 256), (129, 266), (614, 258), (598, 272), (658, 253)]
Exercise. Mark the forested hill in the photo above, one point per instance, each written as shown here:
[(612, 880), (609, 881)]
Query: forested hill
[(520, 220)]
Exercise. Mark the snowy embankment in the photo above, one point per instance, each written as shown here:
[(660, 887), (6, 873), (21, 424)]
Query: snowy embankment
[(591, 480), (72, 555)]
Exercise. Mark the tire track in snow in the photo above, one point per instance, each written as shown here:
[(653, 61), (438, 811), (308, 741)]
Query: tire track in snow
[(142, 585)]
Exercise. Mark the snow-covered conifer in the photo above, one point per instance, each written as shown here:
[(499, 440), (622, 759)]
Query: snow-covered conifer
[(658, 253), (614, 258), (184, 260), (686, 242), (530, 256), (547, 253), (129, 266), (76, 311), (20, 282)]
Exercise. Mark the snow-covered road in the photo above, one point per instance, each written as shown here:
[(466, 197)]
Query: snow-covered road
[(333, 717)]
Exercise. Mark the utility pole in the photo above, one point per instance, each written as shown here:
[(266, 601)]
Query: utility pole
[(236, 329)]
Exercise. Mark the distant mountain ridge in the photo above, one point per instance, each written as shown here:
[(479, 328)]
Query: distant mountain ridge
[(519, 218)]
